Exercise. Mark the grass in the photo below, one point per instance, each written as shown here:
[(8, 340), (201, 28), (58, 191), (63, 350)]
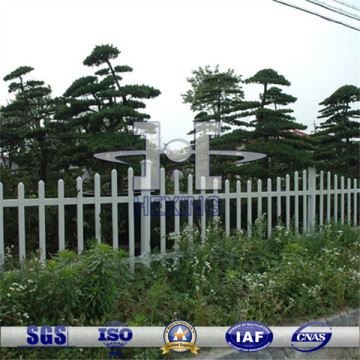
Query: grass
[(225, 280)]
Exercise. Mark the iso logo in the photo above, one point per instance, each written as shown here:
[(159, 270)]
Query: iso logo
[(115, 335), (249, 336), (310, 337)]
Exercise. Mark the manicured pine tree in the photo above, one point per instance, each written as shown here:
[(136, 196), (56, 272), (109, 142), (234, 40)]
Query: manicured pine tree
[(102, 111), (338, 135), (273, 128), (27, 135)]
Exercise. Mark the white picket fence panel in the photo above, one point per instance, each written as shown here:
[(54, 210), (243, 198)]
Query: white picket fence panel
[(317, 207)]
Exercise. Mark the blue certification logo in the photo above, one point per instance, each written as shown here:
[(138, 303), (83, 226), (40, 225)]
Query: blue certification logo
[(115, 335), (311, 337), (47, 336), (249, 336)]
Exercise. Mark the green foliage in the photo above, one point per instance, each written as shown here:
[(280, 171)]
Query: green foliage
[(268, 76), (218, 282), (19, 72), (101, 111), (338, 135), (273, 132), (26, 130), (101, 54), (65, 288), (216, 95)]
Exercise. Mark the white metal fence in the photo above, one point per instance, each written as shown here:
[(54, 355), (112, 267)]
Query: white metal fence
[(306, 199)]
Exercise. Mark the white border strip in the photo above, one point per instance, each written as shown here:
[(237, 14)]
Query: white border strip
[(347, 336)]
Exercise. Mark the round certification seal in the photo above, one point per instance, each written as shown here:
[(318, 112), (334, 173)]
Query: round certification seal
[(249, 336), (180, 336)]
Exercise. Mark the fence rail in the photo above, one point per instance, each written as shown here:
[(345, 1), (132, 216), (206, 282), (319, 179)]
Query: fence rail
[(307, 202)]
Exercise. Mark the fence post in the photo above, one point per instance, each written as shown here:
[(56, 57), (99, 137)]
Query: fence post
[(311, 197), (146, 208)]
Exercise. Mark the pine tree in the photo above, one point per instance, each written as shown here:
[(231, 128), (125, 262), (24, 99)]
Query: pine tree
[(27, 135), (217, 96), (273, 132), (338, 134), (102, 110)]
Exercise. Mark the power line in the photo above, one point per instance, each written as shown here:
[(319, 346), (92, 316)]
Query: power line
[(334, 9), (319, 15), (348, 5)]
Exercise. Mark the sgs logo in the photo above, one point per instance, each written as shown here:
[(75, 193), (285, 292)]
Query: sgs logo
[(46, 335)]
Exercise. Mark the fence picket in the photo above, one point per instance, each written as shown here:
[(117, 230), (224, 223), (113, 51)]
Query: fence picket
[(321, 199), (227, 207), (163, 209), (80, 215), (311, 198), (296, 201), (131, 213), (190, 205), (238, 205), (131, 219), (21, 221), (269, 208), (216, 202), (304, 202), (259, 198), (335, 199), (203, 210), (114, 210), (97, 189), (287, 199), (176, 202), (278, 198), (249, 208), (328, 198), (355, 203), (42, 221), (61, 215), (146, 210)]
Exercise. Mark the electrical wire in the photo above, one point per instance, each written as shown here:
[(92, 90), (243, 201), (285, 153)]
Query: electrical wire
[(334, 9), (348, 5), (319, 15)]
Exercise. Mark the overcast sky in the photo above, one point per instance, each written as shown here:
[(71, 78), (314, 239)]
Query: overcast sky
[(165, 40)]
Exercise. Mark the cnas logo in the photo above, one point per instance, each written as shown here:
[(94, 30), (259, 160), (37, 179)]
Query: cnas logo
[(311, 337), (249, 336), (46, 335), (115, 336)]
